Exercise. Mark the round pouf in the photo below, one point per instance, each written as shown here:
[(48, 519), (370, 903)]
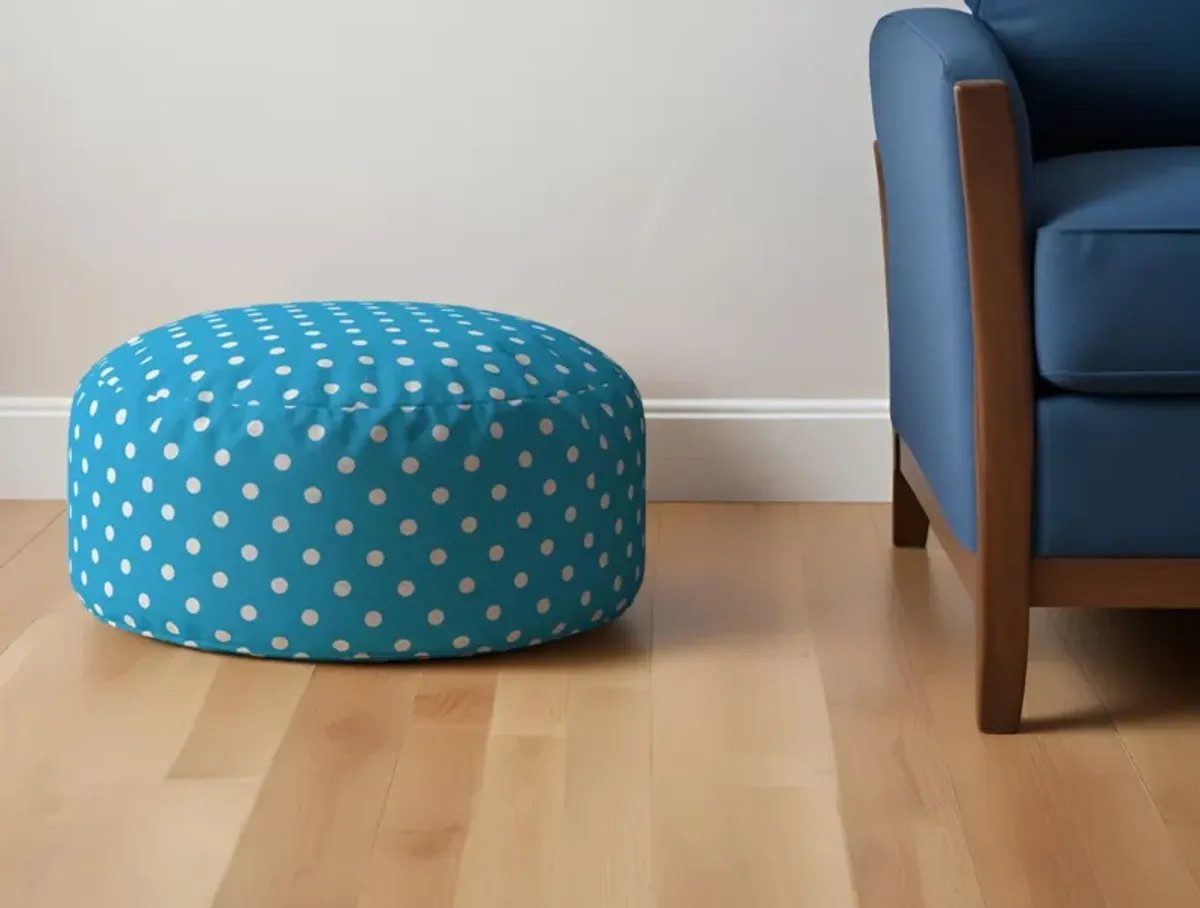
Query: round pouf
[(376, 481)]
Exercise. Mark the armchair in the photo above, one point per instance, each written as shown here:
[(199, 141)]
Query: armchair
[(1039, 175)]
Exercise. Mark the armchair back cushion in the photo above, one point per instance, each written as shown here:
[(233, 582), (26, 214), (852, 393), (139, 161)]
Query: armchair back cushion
[(1099, 75)]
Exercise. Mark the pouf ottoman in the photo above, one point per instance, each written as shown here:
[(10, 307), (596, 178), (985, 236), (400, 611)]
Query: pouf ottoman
[(380, 481)]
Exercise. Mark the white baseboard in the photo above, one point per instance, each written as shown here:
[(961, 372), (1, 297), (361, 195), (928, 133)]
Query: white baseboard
[(699, 450)]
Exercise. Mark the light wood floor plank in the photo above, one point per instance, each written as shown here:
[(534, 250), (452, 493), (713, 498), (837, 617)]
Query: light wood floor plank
[(905, 832), (743, 755), (21, 521), (308, 839)]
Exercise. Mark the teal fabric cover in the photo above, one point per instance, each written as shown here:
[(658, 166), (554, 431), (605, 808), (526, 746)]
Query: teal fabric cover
[(1116, 271), (379, 481), (1102, 74)]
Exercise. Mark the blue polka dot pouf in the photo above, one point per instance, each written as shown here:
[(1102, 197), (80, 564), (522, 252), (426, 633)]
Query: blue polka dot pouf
[(356, 480)]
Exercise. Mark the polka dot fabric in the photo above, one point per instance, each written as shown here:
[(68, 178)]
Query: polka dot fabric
[(335, 481)]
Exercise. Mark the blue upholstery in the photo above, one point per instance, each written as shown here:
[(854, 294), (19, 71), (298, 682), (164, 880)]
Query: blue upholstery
[(917, 56), (344, 480), (1103, 74), (1117, 271), (1117, 477)]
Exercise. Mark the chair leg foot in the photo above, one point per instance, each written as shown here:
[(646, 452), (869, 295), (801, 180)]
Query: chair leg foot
[(910, 523), (1003, 656)]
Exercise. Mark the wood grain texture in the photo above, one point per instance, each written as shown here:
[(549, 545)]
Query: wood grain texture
[(782, 720), (989, 160)]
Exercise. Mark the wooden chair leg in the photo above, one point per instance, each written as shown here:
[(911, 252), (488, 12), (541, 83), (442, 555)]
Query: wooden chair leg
[(910, 523), (1002, 630)]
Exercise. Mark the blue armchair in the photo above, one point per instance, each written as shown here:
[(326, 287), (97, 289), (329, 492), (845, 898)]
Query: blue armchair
[(1039, 171)]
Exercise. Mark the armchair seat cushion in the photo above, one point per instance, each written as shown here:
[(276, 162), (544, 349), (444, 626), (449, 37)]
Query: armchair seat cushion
[(1116, 271)]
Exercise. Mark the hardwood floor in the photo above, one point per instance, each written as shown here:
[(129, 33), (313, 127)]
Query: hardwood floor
[(784, 719)]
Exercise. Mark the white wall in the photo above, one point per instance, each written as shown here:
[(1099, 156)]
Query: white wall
[(688, 183)]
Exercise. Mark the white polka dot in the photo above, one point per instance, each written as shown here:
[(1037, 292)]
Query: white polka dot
[(254, 428), (373, 619), (437, 557), (367, 388), (220, 519), (341, 588), (120, 417), (312, 495), (248, 613), (126, 567), (440, 433), (568, 572), (280, 524), (220, 580), (344, 527), (547, 546), (379, 434), (441, 495), (585, 598), (168, 512), (250, 491), (279, 586), (469, 524), (249, 552), (498, 492), (525, 459), (345, 465), (543, 606), (99, 441), (462, 642), (201, 424), (310, 617), (436, 617), (341, 646), (221, 458), (130, 450), (405, 588), (470, 463), (496, 553), (604, 501), (570, 514), (466, 585), (402, 646), (311, 556), (377, 496), (410, 465), (172, 627), (524, 519), (588, 540), (279, 642), (455, 388), (205, 397), (521, 580), (147, 484), (549, 487), (193, 485), (408, 526), (375, 558), (546, 426), (146, 542), (496, 430), (192, 605), (316, 433), (572, 454), (192, 546), (513, 636), (223, 636), (591, 480)]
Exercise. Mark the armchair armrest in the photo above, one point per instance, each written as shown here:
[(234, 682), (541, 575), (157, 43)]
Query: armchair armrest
[(924, 64)]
